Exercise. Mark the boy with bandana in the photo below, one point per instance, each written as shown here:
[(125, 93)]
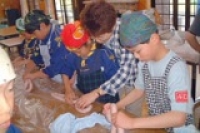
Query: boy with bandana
[(29, 52), (163, 79), (51, 47)]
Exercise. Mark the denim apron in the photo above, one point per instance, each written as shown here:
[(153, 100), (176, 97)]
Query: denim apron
[(157, 93), (44, 51), (89, 79)]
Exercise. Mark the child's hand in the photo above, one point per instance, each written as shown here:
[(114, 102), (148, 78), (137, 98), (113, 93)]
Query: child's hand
[(86, 100), (106, 111), (121, 120), (70, 97)]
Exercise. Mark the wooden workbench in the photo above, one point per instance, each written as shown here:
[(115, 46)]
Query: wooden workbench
[(11, 42), (62, 108), (8, 31)]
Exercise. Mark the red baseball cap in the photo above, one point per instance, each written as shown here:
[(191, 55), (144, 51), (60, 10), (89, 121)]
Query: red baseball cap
[(74, 36)]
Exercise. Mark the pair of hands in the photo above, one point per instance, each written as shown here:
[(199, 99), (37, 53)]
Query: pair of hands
[(119, 119), (82, 102)]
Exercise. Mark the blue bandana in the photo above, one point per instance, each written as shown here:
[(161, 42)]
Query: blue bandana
[(135, 28)]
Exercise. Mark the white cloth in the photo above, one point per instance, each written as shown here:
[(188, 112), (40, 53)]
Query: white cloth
[(68, 123)]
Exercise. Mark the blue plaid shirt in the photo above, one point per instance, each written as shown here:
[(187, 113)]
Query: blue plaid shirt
[(128, 71)]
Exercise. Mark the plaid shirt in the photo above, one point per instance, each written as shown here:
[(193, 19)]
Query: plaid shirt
[(127, 72)]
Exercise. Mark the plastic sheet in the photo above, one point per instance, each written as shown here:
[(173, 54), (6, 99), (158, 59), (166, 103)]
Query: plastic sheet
[(32, 113), (48, 86), (36, 110)]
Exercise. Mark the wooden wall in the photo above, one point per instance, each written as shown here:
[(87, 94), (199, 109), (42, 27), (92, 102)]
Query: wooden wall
[(144, 4), (42, 4), (8, 4)]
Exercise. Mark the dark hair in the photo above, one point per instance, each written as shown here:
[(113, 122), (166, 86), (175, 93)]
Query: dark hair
[(33, 20), (98, 17)]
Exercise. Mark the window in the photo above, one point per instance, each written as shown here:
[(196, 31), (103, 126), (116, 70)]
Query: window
[(177, 13), (64, 11)]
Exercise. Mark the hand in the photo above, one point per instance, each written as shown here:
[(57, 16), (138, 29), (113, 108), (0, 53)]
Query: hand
[(106, 108), (121, 120), (106, 111), (86, 100), (70, 96)]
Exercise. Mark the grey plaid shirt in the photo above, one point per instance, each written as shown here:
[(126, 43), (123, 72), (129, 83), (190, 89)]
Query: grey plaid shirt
[(127, 72)]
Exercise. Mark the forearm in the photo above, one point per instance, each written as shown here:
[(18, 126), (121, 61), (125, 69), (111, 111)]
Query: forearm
[(130, 98), (193, 41), (30, 66), (39, 74), (67, 84), (126, 74), (17, 59), (166, 120)]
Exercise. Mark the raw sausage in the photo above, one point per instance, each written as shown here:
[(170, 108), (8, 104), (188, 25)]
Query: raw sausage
[(113, 109), (28, 85), (61, 97)]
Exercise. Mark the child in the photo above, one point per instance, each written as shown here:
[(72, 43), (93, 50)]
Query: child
[(29, 50), (51, 48), (6, 94), (100, 19), (93, 66), (163, 78)]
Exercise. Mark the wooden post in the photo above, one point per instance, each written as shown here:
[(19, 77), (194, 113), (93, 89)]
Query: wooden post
[(49, 9), (24, 7)]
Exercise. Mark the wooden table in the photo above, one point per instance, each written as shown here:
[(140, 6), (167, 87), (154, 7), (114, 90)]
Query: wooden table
[(12, 41), (62, 108), (8, 31)]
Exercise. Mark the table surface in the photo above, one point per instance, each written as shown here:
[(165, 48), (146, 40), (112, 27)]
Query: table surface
[(61, 108), (12, 41), (8, 31)]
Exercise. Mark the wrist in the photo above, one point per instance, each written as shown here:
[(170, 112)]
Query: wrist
[(97, 93), (120, 106)]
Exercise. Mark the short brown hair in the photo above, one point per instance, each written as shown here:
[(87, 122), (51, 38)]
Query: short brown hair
[(98, 17)]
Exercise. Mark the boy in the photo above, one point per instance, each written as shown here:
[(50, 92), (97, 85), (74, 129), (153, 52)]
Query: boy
[(163, 78), (29, 52), (51, 48), (100, 19), (6, 94), (93, 65)]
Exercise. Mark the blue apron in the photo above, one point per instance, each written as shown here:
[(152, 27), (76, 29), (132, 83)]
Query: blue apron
[(13, 129), (89, 79)]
